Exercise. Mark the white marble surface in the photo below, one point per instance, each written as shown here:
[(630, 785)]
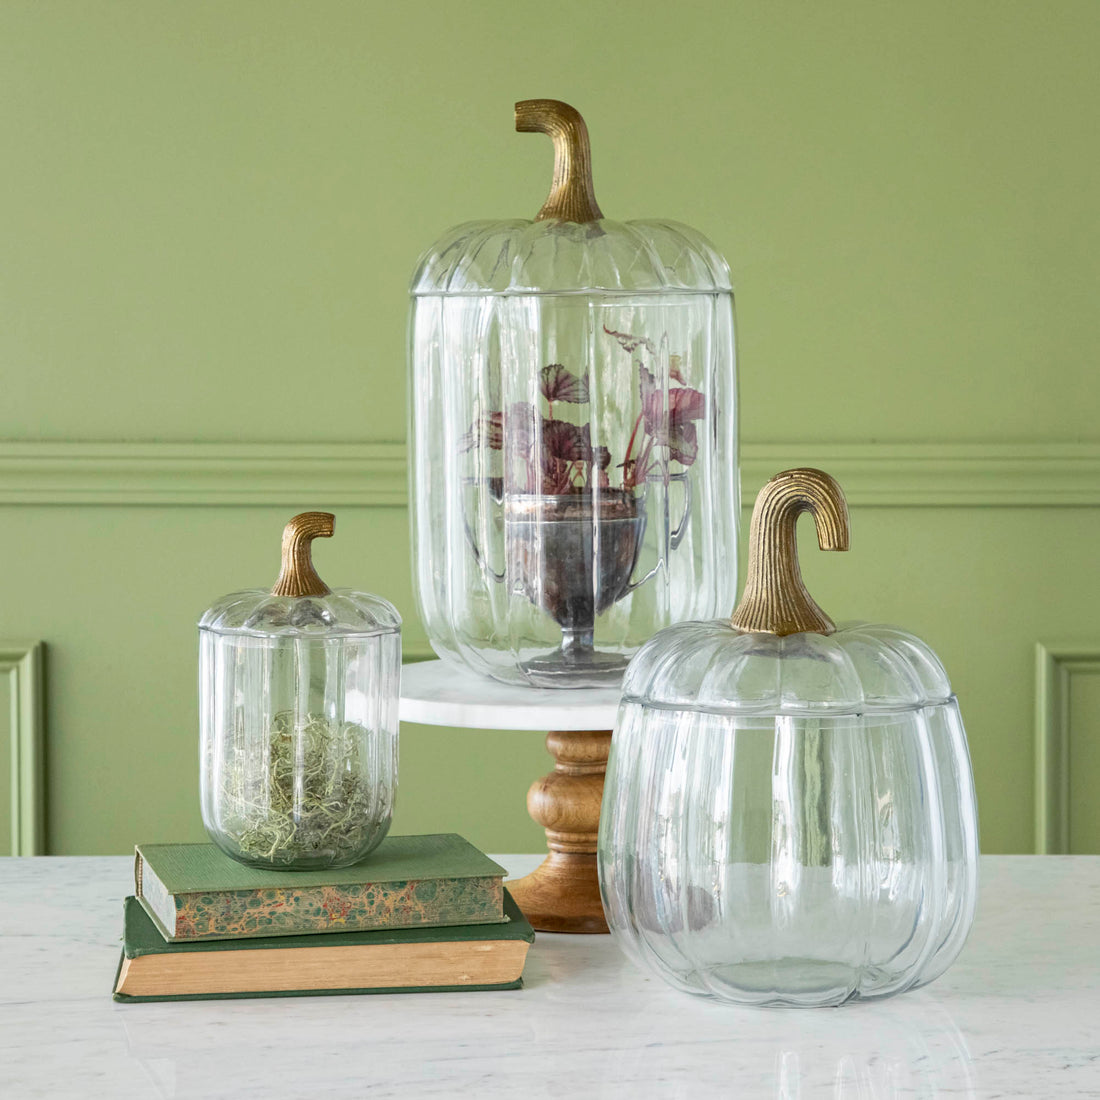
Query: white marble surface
[(1017, 1016), (437, 693)]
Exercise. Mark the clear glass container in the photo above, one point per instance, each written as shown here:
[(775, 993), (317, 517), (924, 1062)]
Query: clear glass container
[(573, 432), (298, 694), (788, 818)]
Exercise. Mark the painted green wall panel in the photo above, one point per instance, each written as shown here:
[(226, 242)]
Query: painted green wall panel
[(5, 766), (1084, 759), (472, 782), (206, 200), (210, 207), (116, 592)]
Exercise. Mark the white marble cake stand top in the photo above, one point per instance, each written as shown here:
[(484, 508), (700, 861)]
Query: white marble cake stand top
[(437, 693)]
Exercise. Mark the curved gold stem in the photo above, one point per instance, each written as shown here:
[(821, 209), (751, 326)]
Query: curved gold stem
[(571, 197), (297, 576), (775, 600)]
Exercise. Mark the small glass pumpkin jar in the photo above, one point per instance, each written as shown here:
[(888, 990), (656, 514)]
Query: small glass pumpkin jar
[(298, 690), (789, 813), (573, 420)]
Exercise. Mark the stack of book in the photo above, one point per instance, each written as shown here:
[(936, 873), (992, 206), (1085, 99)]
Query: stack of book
[(420, 913)]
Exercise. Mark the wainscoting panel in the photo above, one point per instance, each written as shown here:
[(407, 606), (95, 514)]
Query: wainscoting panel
[(1067, 747), (117, 548), (22, 779)]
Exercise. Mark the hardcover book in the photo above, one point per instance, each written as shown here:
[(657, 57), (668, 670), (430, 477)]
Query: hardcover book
[(196, 892), (397, 960)]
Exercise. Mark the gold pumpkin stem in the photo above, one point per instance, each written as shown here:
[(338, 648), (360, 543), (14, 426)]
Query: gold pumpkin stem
[(775, 600), (297, 576), (571, 197)]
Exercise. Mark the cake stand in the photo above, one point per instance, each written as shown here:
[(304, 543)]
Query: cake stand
[(563, 893)]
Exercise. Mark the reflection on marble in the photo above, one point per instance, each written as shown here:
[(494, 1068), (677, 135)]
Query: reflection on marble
[(1018, 1015), (437, 693)]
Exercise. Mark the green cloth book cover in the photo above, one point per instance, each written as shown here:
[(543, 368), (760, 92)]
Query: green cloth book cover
[(396, 960), (197, 892)]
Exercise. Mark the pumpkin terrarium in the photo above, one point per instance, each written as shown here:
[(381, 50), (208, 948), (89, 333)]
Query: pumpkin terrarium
[(573, 428), (789, 813), (298, 689)]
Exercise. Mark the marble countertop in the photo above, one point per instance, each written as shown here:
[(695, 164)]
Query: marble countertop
[(1017, 1016)]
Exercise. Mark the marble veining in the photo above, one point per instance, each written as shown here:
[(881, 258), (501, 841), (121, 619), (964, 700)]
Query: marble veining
[(438, 693), (1017, 1016)]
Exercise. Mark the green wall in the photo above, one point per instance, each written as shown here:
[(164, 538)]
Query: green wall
[(209, 211)]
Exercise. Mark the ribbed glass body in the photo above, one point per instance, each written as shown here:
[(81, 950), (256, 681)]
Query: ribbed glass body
[(573, 443), (789, 821), (298, 716)]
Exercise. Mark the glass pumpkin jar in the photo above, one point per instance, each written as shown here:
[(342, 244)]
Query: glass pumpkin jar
[(573, 432), (789, 814), (298, 691)]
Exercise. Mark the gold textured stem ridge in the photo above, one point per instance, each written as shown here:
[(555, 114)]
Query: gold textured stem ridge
[(775, 600), (571, 198), (297, 577)]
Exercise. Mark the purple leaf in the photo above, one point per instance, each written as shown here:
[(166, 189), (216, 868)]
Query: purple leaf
[(561, 446), (486, 431), (600, 457), (630, 344), (653, 404), (559, 384), (686, 404), (563, 441), (683, 442), (673, 429)]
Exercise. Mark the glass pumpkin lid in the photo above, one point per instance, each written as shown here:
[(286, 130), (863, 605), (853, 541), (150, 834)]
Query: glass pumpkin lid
[(300, 604), (780, 653), (569, 247)]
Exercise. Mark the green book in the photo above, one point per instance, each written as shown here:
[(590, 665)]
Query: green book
[(396, 960), (196, 892)]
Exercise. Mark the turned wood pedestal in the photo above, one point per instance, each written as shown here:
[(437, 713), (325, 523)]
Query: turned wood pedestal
[(563, 893)]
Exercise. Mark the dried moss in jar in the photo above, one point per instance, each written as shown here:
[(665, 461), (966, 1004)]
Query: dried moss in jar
[(307, 796), (298, 696)]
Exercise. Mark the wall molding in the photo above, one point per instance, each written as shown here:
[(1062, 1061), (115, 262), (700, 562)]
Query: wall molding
[(196, 474), (941, 475), (22, 662), (874, 475), (1055, 665)]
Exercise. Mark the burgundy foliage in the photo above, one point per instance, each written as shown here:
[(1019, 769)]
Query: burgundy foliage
[(557, 456)]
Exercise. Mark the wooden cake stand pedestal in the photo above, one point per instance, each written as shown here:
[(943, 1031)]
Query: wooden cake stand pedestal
[(563, 894)]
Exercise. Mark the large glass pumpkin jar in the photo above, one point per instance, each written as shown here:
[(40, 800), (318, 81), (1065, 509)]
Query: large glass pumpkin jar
[(298, 689), (573, 432), (789, 813)]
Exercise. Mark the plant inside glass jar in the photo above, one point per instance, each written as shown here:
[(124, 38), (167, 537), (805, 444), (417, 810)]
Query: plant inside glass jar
[(304, 799), (572, 538)]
